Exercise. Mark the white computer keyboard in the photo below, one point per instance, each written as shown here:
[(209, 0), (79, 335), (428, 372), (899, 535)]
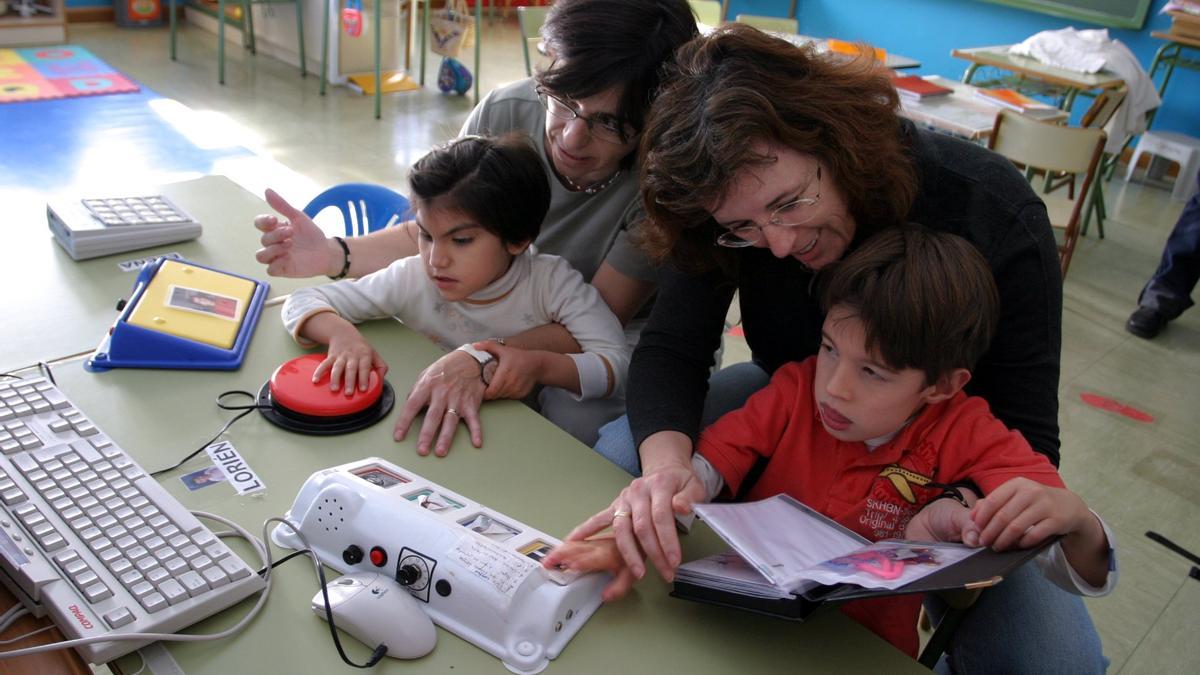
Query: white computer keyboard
[(89, 538)]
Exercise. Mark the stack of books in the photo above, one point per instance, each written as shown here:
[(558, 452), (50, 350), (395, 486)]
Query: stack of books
[(1015, 100), (913, 88)]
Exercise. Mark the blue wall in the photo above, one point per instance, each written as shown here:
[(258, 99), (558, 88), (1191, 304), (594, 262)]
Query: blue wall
[(927, 30)]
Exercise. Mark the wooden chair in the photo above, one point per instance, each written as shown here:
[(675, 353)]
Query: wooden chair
[(247, 25), (1053, 148), (530, 20), (774, 24), (1096, 117)]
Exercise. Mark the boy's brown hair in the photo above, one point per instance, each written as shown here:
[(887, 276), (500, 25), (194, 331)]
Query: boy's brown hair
[(927, 299)]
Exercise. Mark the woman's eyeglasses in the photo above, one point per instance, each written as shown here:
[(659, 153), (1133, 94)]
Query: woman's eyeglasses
[(792, 214), (601, 125)]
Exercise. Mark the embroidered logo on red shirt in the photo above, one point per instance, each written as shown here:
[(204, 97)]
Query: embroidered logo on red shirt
[(903, 480)]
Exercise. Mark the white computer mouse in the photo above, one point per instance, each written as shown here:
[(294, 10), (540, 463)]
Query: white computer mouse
[(376, 610)]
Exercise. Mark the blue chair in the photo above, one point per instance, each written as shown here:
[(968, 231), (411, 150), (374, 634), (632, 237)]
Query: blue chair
[(365, 208)]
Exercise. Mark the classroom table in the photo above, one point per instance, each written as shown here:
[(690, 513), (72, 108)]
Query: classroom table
[(1171, 55), (56, 306), (528, 469), (960, 113), (1074, 82), (893, 61)]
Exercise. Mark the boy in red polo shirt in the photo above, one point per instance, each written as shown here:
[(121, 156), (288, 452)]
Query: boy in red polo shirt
[(873, 429)]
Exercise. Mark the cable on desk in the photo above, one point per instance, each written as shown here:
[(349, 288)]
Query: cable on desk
[(31, 633), (15, 612), (265, 554), (44, 369), (263, 570), (245, 410), (380, 650)]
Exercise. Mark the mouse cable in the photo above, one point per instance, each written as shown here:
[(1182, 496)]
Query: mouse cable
[(8, 618), (11, 614), (380, 650), (31, 633), (173, 637), (44, 369), (245, 410), (229, 533)]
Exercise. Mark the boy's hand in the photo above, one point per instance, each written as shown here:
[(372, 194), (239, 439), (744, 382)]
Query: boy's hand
[(515, 374), (295, 247), (1022, 513), (594, 555), (350, 359), (943, 520)]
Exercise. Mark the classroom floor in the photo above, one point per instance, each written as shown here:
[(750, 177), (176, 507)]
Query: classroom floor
[(1140, 476)]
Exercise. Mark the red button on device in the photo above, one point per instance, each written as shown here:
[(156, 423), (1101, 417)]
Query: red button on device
[(292, 387), (378, 557)]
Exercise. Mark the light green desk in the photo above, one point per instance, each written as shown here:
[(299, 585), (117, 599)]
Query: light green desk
[(1074, 82), (55, 306), (527, 469)]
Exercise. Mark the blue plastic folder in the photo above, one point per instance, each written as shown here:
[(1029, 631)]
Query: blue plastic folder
[(183, 315)]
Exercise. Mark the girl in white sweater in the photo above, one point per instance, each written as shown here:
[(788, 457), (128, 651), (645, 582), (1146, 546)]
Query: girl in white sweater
[(479, 203)]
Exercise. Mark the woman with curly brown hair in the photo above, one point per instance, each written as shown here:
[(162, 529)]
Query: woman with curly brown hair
[(762, 163)]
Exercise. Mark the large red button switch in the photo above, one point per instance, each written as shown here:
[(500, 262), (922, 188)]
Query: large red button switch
[(292, 387)]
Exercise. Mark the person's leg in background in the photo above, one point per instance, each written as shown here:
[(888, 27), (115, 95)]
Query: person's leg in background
[(1169, 291), (728, 390), (1024, 625), (581, 419)]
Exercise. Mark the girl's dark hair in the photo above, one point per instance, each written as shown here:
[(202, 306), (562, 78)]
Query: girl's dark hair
[(927, 299), (499, 182), (737, 87), (599, 44)]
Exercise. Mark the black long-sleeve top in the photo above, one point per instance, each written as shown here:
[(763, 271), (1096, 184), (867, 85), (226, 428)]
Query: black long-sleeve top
[(964, 189)]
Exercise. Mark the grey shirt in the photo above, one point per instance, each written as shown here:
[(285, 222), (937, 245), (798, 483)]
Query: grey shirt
[(585, 229)]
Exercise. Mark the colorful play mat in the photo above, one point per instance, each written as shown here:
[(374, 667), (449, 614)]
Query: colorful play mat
[(41, 73)]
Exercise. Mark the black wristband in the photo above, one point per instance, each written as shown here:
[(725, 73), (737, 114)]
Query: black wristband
[(345, 259), (951, 492)]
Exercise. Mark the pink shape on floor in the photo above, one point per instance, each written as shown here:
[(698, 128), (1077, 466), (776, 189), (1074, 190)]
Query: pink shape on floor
[(1112, 405)]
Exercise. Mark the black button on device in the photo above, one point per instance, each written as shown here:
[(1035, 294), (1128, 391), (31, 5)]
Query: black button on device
[(407, 575), (378, 557), (442, 587), (352, 555)]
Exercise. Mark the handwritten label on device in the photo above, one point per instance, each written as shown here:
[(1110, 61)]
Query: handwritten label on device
[(236, 469), (496, 565)]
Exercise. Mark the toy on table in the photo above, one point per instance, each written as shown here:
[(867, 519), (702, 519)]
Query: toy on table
[(183, 315), (292, 401), (474, 570)]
